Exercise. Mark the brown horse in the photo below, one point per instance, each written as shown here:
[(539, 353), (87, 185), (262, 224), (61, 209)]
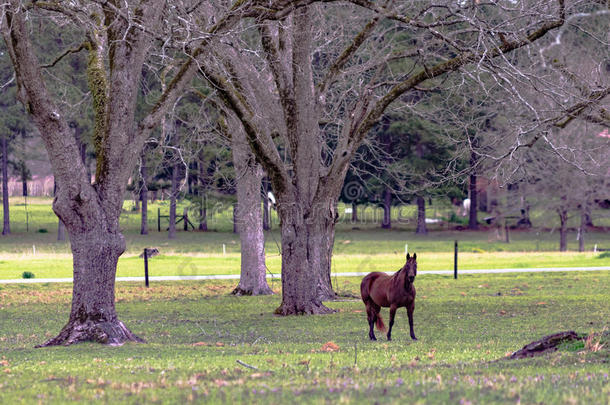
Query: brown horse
[(381, 290)]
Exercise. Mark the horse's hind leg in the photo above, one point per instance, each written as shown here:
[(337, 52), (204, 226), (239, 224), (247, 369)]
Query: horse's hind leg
[(371, 311), (392, 314)]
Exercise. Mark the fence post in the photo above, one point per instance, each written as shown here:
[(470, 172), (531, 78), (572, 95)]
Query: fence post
[(146, 266), (159, 219), (185, 216), (455, 259)]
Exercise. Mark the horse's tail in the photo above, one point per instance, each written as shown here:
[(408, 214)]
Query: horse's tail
[(379, 323)]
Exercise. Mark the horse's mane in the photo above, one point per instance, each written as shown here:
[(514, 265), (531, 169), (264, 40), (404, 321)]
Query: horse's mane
[(399, 276)]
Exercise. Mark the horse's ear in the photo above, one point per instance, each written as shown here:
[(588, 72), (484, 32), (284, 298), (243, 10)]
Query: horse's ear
[(414, 256), (408, 256)]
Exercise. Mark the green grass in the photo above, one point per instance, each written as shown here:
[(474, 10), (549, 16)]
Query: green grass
[(196, 333)]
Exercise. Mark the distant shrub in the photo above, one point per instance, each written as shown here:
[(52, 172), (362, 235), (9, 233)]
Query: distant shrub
[(477, 250), (604, 255), (43, 230), (27, 274)]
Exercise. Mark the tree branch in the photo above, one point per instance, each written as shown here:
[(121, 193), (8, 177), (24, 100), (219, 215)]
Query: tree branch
[(577, 110), (262, 145), (349, 51), (63, 55), (451, 65)]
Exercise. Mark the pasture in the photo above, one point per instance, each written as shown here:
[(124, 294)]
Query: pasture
[(205, 346), (196, 334)]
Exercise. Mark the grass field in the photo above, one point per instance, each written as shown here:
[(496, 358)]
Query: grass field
[(196, 333), (46, 265)]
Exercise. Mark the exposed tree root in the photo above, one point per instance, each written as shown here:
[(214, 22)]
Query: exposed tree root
[(105, 332), (314, 308), (545, 345), (240, 291)]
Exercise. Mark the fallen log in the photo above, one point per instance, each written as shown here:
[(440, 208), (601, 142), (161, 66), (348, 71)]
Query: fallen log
[(545, 345)]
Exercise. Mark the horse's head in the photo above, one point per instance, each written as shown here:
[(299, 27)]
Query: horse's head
[(410, 268)]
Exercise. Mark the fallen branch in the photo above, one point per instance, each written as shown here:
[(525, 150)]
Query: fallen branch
[(246, 365), (546, 344)]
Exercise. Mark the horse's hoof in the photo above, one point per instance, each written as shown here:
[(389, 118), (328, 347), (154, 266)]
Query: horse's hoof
[(372, 338), (389, 339), (413, 337)]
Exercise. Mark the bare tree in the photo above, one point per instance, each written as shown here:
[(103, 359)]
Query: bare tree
[(118, 38), (300, 75), (248, 215)]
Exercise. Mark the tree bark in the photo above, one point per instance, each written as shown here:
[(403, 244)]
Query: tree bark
[(354, 212), (144, 197), (6, 225), (387, 209), (248, 217), (307, 237), (421, 216), (93, 315), (172, 203), (266, 213), (61, 228), (563, 229), (24, 178)]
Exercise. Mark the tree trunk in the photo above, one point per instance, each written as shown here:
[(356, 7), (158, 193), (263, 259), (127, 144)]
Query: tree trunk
[(354, 212), (421, 216), (144, 198), (93, 315), (172, 203), (82, 146), (306, 257), (6, 227), (563, 229), (201, 191), (472, 186), (387, 209), (589, 220), (582, 230), (248, 218), (24, 178), (203, 214), (61, 228), (235, 229), (266, 213)]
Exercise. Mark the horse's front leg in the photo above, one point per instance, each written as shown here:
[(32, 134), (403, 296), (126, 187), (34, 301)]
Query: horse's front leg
[(393, 308), (410, 308)]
